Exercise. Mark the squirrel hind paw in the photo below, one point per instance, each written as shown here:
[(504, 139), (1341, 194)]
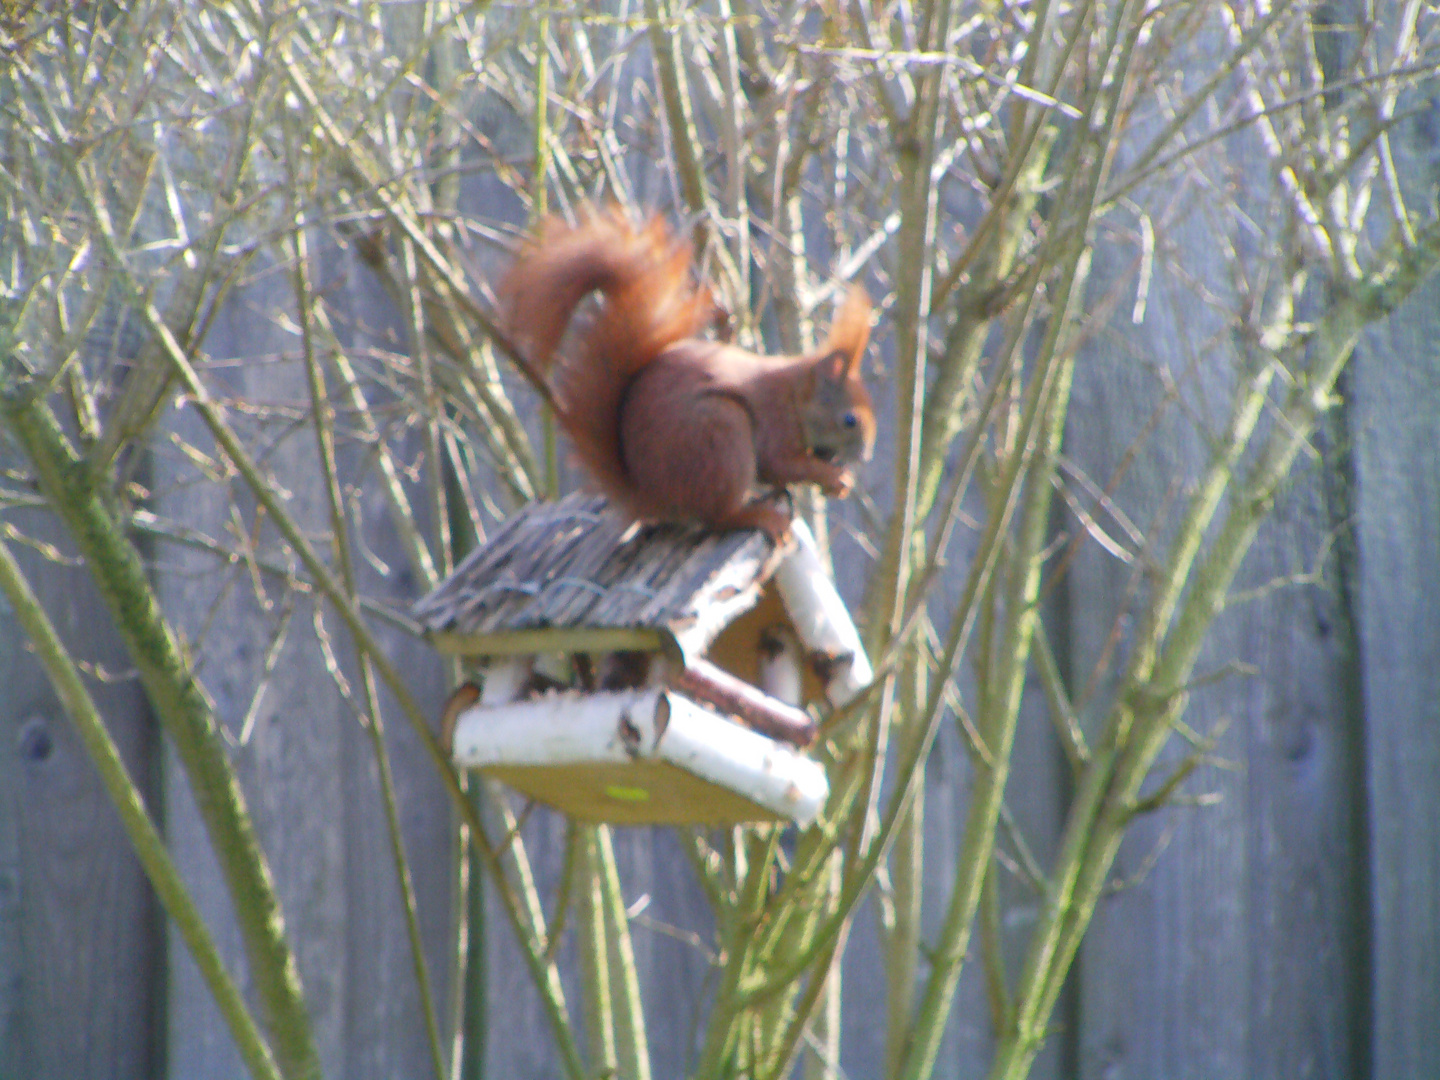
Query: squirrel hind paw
[(764, 515)]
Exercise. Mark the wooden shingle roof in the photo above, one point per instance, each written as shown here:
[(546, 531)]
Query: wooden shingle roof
[(568, 576)]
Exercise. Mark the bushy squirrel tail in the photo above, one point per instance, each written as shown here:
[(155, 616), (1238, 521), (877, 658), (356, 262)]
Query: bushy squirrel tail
[(649, 302)]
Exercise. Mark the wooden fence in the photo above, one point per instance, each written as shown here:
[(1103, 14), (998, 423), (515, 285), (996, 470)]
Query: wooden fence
[(1287, 927)]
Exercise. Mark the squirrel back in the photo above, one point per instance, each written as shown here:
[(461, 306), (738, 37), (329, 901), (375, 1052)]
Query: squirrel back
[(669, 426), (650, 303)]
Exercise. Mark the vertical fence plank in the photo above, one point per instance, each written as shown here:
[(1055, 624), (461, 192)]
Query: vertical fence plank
[(307, 766), (1303, 803), (1226, 954), (1396, 429), (384, 1023), (80, 972), (1155, 975), (291, 761), (518, 1040)]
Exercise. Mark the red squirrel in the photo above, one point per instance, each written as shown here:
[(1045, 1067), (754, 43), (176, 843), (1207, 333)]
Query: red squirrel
[(672, 427)]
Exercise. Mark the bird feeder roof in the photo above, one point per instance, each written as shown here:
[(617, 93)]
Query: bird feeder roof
[(567, 576)]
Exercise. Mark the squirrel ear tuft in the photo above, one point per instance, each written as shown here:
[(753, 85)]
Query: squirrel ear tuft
[(850, 332), (833, 366)]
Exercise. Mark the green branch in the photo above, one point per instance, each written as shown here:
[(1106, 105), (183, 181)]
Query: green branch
[(144, 837), (183, 711)]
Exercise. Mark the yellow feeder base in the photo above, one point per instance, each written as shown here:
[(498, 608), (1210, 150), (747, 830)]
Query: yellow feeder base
[(637, 793)]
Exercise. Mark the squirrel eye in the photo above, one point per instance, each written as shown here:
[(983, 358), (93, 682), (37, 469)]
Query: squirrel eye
[(850, 420)]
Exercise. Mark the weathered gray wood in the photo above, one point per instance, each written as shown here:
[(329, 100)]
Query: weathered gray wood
[(1036, 799), (384, 1028), (1234, 955), (1151, 970), (1228, 956), (948, 780), (675, 972), (1303, 893), (307, 767), (291, 763), (1395, 425), (80, 976), (518, 1040)]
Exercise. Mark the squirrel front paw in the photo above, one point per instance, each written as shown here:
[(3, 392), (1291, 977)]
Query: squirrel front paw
[(839, 486)]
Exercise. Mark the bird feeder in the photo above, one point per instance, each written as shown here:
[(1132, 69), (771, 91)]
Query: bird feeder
[(645, 674)]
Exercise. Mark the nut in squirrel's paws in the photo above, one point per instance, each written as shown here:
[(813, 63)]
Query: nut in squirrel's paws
[(841, 486)]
